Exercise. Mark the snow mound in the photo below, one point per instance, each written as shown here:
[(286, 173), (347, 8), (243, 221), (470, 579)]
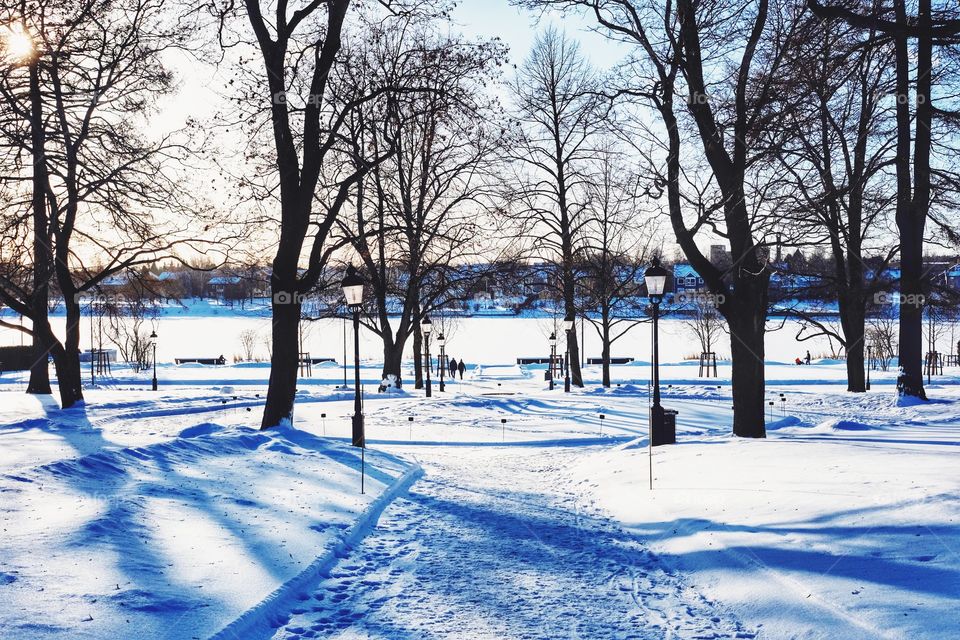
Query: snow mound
[(836, 424), (900, 400), (789, 421), (203, 429)]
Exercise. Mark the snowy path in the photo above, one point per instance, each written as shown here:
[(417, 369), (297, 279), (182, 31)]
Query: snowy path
[(489, 544)]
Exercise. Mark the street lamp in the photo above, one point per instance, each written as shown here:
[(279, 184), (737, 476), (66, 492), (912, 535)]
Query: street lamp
[(869, 365), (442, 362), (655, 278), (553, 356), (568, 326), (425, 327), (153, 343), (353, 293)]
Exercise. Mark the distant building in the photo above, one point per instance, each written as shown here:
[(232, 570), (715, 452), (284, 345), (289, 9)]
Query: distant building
[(686, 279), (224, 287)]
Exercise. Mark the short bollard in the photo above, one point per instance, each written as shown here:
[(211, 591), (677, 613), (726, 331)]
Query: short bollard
[(503, 427), (410, 420), (602, 418), (771, 410), (323, 417)]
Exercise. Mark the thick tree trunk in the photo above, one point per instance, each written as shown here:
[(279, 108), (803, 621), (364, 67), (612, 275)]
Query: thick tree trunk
[(392, 360), (910, 381), (43, 339), (67, 360), (285, 356), (39, 371), (747, 320), (852, 320)]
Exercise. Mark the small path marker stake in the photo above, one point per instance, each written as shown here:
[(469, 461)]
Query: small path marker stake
[(602, 417), (410, 420), (323, 417), (503, 425)]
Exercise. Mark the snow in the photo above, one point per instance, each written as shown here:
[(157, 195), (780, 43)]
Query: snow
[(113, 523), (168, 514)]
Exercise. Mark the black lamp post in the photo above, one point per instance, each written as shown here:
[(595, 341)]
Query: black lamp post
[(353, 293), (153, 343), (442, 362), (425, 327), (568, 326), (553, 356), (869, 365), (655, 278)]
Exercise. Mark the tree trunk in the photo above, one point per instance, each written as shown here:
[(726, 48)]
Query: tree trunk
[(285, 356), (852, 320), (605, 355), (747, 328), (910, 381), (42, 255), (67, 359), (392, 360), (418, 357)]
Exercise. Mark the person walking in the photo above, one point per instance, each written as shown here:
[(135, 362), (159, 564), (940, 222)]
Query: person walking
[(808, 357), (461, 368), (452, 368)]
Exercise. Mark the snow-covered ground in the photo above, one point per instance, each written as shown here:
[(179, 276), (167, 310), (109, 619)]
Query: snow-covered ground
[(167, 515)]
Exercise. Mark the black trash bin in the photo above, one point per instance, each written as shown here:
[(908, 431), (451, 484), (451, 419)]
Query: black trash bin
[(665, 433)]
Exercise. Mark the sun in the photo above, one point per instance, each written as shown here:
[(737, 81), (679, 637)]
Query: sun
[(18, 45)]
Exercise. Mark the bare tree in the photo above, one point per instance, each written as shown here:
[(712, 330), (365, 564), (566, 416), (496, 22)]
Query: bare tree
[(917, 173), (95, 73), (418, 213), (560, 116), (616, 250), (704, 322), (678, 48), (830, 161), (313, 85)]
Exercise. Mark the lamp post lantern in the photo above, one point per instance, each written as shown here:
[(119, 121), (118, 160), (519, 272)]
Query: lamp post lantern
[(568, 327), (655, 277), (353, 293), (442, 360), (425, 327), (153, 343), (869, 365), (553, 357)]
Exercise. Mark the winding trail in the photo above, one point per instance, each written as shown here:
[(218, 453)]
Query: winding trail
[(491, 543)]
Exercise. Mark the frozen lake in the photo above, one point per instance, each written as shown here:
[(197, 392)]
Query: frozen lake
[(210, 331)]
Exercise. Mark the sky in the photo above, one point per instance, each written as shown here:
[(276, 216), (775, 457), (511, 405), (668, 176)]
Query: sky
[(199, 84)]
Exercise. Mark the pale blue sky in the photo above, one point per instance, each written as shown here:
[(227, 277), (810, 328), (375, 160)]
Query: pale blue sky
[(199, 84), (518, 28)]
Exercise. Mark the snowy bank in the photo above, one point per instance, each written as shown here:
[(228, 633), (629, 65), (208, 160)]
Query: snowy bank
[(176, 538)]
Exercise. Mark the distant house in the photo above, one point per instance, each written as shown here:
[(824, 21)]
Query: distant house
[(686, 279), (224, 287)]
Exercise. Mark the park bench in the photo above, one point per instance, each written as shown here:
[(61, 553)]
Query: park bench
[(208, 361), (618, 360)]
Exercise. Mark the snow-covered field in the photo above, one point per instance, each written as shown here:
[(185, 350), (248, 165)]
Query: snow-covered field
[(167, 515)]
